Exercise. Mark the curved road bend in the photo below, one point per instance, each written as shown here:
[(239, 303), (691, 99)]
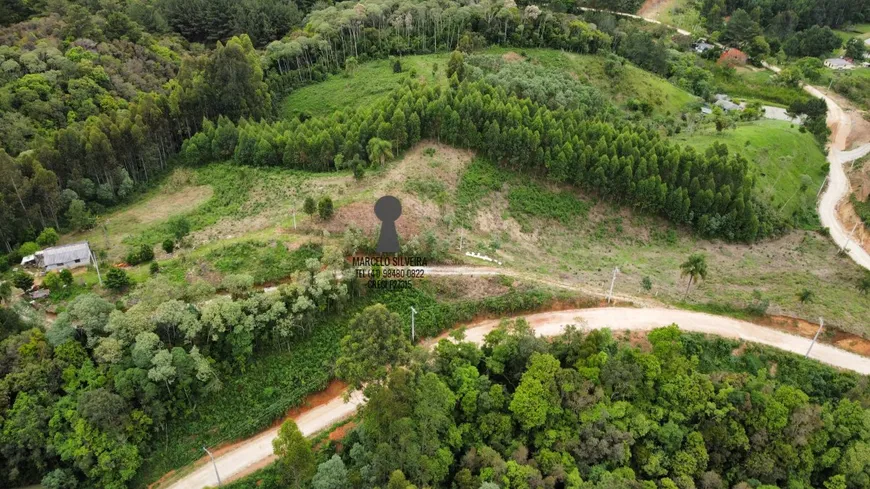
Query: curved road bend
[(838, 184), (257, 449)]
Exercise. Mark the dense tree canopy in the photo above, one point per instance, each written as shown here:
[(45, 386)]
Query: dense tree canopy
[(588, 412), (81, 401)]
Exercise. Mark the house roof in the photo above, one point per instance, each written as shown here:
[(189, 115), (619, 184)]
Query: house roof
[(67, 253), (728, 105), (837, 62)]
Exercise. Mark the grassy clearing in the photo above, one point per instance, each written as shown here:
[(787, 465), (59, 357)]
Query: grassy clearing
[(861, 31), (585, 252), (265, 262), (375, 79), (682, 14), (634, 83), (781, 154), (756, 85), (369, 82)]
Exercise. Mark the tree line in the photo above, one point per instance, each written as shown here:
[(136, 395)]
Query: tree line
[(81, 400), (712, 192)]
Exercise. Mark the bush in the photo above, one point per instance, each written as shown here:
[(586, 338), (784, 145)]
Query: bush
[(52, 281), (179, 227), (117, 279), (168, 246), (239, 285), (646, 283), (309, 206), (140, 255), (154, 268), (325, 208), (66, 276), (22, 280), (48, 237), (28, 248)]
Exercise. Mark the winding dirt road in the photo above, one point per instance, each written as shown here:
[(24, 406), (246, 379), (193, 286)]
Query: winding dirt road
[(838, 187), (249, 454)]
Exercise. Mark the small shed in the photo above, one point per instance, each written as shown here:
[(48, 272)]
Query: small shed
[(838, 64), (702, 47), (68, 256)]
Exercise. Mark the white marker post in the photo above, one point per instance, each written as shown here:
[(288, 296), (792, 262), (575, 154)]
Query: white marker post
[(97, 266), (612, 282), (214, 464), (821, 325), (849, 239)]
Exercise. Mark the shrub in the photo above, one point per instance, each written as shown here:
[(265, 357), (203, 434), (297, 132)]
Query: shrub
[(154, 268), (28, 248), (52, 281), (117, 279), (48, 237), (238, 285), (179, 227), (22, 280), (66, 277), (309, 206), (325, 208), (168, 245), (646, 283), (140, 255)]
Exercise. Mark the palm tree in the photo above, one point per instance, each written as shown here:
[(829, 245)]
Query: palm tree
[(806, 296), (694, 268), (379, 150)]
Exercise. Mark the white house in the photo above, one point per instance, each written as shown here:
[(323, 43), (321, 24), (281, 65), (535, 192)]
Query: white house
[(838, 64), (67, 256)]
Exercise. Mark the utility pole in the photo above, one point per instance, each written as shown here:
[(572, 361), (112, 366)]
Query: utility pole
[(612, 282), (461, 238), (214, 464), (97, 266), (413, 313), (821, 325), (822, 187), (294, 217), (850, 236)]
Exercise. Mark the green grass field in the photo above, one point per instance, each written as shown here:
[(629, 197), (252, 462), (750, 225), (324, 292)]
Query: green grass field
[(861, 31), (368, 83), (757, 85), (682, 14), (375, 79), (780, 153)]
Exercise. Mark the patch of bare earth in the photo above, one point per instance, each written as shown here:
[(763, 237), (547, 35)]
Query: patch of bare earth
[(164, 206), (851, 222), (651, 9), (859, 130), (512, 57)]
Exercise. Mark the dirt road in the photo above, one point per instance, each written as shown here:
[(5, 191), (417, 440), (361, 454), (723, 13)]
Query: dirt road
[(838, 187), (248, 454)]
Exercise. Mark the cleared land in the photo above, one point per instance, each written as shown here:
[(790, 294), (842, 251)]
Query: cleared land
[(376, 79), (781, 154)]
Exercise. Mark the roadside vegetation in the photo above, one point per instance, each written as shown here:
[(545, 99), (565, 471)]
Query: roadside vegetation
[(598, 398)]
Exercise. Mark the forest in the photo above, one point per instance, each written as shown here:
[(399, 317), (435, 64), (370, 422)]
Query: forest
[(81, 401), (590, 410)]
